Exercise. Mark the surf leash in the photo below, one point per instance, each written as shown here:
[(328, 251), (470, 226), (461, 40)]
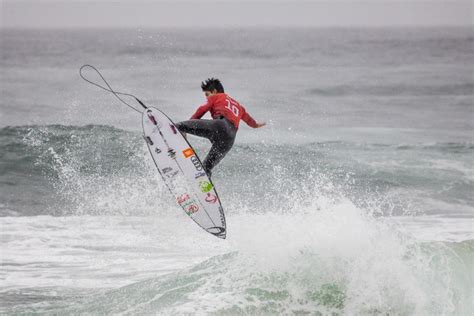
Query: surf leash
[(109, 88)]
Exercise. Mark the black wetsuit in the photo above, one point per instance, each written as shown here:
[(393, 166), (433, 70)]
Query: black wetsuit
[(220, 131)]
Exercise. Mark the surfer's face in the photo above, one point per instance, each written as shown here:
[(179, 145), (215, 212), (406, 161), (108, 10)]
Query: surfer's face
[(209, 93)]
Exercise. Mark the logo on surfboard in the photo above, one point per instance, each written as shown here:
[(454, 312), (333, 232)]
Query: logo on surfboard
[(188, 152), (187, 203), (173, 129), (166, 171), (211, 198), (199, 175), (205, 186), (152, 118), (172, 153), (196, 163), (191, 209), (149, 141)]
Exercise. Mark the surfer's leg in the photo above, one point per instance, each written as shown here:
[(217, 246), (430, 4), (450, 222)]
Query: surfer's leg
[(221, 144), (215, 155), (202, 128)]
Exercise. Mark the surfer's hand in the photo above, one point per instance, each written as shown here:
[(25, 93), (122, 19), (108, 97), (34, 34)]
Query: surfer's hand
[(260, 125)]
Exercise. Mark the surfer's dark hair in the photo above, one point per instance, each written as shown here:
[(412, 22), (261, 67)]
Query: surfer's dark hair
[(212, 84)]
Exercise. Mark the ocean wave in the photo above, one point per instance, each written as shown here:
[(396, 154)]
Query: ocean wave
[(93, 169), (26, 141), (232, 284), (31, 148), (332, 260)]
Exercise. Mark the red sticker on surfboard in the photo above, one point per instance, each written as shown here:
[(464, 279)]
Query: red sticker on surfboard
[(188, 152)]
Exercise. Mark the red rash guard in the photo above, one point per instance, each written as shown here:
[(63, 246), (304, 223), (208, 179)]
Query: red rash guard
[(221, 104)]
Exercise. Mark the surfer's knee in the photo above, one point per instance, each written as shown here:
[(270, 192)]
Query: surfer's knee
[(185, 126), (209, 172), (179, 125), (225, 146)]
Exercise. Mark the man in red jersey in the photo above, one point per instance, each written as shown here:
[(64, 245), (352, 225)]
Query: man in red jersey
[(221, 130)]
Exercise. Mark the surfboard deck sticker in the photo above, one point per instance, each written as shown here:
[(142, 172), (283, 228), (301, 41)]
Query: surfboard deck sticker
[(182, 172)]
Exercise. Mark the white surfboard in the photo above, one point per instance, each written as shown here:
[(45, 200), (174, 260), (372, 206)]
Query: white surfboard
[(182, 172)]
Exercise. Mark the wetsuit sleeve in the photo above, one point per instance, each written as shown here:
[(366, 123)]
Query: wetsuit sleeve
[(248, 119), (201, 111)]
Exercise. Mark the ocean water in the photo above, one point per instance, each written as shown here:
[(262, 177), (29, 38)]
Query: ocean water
[(356, 199)]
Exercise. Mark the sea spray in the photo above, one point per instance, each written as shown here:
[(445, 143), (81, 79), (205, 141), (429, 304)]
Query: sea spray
[(333, 260)]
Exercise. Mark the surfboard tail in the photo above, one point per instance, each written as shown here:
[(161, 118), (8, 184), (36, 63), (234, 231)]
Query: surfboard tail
[(217, 231)]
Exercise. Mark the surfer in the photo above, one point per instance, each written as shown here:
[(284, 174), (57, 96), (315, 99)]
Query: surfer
[(221, 130)]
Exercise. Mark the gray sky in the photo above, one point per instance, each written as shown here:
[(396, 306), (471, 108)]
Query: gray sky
[(233, 13)]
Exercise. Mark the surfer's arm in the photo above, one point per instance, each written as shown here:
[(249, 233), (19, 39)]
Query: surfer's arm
[(201, 111), (250, 121)]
